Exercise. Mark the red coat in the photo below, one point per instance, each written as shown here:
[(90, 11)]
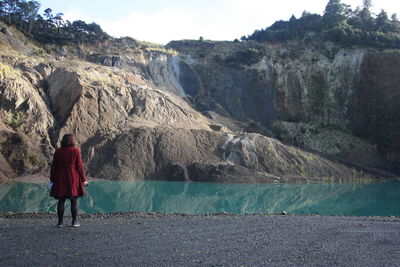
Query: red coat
[(67, 173)]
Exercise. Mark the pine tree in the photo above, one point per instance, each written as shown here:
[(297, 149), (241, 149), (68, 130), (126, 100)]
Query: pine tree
[(10, 9), (365, 11), (305, 14), (395, 23), (382, 22), (367, 4), (2, 7), (334, 13), (29, 12)]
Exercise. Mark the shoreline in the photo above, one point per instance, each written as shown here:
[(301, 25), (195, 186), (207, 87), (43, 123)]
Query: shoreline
[(37, 178), (134, 214)]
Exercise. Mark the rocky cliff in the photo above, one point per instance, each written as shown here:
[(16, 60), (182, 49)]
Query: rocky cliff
[(212, 113), (340, 102)]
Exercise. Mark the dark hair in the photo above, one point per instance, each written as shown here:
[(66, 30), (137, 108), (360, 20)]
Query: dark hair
[(68, 140)]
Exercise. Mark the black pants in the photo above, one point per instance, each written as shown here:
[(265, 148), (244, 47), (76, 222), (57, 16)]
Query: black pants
[(60, 209)]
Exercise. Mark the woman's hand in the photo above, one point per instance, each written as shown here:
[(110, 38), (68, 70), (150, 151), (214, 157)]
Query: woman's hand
[(85, 183)]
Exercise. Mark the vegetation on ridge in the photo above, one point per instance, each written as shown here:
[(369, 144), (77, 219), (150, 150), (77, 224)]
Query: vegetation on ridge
[(51, 29), (339, 24), (48, 27)]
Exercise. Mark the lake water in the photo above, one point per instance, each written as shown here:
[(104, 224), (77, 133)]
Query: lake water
[(363, 199)]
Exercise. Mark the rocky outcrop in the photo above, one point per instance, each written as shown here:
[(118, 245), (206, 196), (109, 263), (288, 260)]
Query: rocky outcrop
[(330, 141), (18, 157), (201, 155), (24, 105), (14, 39), (85, 102)]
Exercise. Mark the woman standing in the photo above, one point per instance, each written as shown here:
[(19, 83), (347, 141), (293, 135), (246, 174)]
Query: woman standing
[(67, 177)]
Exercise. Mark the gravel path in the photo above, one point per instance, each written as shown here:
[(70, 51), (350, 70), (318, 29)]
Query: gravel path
[(152, 240)]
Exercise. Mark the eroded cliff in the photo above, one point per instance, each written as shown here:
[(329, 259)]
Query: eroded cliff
[(210, 114), (341, 102)]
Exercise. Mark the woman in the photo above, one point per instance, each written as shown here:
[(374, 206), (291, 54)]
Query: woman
[(67, 177)]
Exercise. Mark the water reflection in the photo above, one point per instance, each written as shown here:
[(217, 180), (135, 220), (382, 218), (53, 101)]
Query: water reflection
[(374, 199)]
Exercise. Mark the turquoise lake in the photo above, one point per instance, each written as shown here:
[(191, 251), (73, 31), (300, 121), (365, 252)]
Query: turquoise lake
[(360, 199)]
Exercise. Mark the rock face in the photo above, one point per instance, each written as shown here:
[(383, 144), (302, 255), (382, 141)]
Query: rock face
[(202, 116), (331, 142), (337, 92), (281, 82), (376, 105)]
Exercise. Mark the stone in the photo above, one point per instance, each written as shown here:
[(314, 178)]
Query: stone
[(215, 127)]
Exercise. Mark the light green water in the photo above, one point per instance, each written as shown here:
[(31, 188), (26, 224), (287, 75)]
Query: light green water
[(365, 199)]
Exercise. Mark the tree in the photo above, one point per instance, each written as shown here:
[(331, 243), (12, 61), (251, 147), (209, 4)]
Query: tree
[(367, 4), (48, 13), (305, 14), (334, 14), (95, 33), (395, 23), (58, 21), (347, 11), (293, 22), (19, 13), (48, 28), (366, 16), (382, 22), (2, 7), (10, 9), (79, 29), (29, 12), (40, 22)]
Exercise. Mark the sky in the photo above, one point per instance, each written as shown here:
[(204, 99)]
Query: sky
[(160, 21)]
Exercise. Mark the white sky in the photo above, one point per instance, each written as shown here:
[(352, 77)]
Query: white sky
[(161, 21)]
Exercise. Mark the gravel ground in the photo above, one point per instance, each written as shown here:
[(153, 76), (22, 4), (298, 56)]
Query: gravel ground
[(215, 240)]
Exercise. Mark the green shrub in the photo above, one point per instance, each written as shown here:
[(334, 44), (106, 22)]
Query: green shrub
[(15, 120), (8, 72), (35, 159), (247, 57)]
